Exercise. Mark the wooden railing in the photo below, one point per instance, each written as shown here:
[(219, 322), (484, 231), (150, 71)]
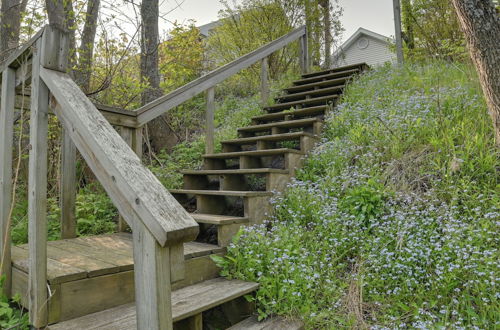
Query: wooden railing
[(208, 82), (159, 224)]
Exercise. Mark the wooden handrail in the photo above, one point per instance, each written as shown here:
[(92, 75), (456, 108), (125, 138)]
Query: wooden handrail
[(136, 192), (161, 105), (12, 60)]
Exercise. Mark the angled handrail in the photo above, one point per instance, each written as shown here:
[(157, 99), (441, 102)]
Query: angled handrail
[(161, 105)]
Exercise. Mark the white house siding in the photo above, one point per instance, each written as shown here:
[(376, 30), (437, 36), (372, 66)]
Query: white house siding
[(376, 53)]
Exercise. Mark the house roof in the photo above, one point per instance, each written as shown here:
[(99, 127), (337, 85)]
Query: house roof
[(358, 33), (206, 28)]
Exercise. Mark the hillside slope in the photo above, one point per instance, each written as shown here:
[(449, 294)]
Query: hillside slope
[(394, 220)]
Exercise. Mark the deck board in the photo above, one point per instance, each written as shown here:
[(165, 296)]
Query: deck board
[(85, 257)]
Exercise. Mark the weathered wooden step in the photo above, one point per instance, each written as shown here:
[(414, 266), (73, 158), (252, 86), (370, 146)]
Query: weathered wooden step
[(269, 138), (319, 84), (323, 100), (360, 66), (314, 93), (306, 112), (329, 76), (253, 153), (82, 288), (282, 124), (216, 219), (186, 302), (229, 193), (274, 323), (236, 172)]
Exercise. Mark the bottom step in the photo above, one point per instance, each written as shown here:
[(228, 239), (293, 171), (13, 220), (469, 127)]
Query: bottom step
[(186, 302), (274, 323)]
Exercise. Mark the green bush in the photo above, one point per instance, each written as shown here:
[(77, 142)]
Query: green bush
[(393, 221)]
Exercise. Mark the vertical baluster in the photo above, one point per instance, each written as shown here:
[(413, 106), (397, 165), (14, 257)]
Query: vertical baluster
[(37, 195), (304, 53), (6, 143), (209, 140), (264, 81), (126, 134), (68, 187)]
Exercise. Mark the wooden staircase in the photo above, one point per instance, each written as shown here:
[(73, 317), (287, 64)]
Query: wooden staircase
[(91, 280)]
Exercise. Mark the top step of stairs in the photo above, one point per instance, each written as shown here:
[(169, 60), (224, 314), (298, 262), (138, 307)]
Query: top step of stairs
[(359, 66), (186, 302), (273, 323)]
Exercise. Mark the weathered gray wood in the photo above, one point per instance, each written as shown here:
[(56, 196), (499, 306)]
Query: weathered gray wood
[(134, 190), (276, 323), (186, 302), (304, 53), (152, 284), (161, 105), (137, 142), (209, 121), (397, 28), (6, 142), (24, 52), (37, 196), (55, 49), (126, 134), (68, 187), (264, 81)]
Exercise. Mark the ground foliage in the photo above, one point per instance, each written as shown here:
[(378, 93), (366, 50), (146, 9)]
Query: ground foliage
[(393, 222)]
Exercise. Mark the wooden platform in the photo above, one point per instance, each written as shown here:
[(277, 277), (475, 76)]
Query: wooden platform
[(89, 274)]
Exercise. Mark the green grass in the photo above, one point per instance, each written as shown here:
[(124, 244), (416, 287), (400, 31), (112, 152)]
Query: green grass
[(393, 222)]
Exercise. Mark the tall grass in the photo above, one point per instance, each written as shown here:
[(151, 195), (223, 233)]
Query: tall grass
[(393, 222)]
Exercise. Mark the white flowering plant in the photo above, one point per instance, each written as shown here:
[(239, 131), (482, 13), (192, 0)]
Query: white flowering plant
[(393, 222)]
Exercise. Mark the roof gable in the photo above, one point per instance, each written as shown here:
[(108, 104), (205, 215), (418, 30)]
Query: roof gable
[(361, 31)]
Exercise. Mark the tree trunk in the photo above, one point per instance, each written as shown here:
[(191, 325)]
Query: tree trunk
[(480, 23), (327, 28), (10, 24), (408, 35), (86, 50), (158, 130)]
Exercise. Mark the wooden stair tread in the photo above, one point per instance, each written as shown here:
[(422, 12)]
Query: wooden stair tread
[(328, 76), (234, 193), (272, 137), (236, 171), (289, 105), (281, 124), (323, 83), (84, 257), (215, 219), (253, 153), (273, 323), (310, 111), (360, 66), (302, 95), (186, 302)]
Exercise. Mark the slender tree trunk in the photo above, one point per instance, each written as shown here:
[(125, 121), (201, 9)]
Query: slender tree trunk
[(397, 28), (10, 24), (480, 23), (86, 49), (327, 28), (158, 131)]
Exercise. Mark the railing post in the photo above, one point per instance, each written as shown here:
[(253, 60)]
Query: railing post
[(68, 187), (6, 143), (210, 135), (37, 194), (264, 81), (51, 52), (152, 282), (304, 53)]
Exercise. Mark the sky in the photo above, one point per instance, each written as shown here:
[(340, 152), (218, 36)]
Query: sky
[(375, 15)]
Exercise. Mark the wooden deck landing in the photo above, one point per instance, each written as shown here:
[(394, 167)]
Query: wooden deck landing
[(89, 274)]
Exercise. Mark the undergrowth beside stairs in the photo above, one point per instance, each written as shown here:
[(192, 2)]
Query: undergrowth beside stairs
[(393, 222)]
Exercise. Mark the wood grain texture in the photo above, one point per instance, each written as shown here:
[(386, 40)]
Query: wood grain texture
[(273, 323), (6, 143), (264, 81), (37, 195), (134, 190), (68, 187), (209, 121), (186, 302)]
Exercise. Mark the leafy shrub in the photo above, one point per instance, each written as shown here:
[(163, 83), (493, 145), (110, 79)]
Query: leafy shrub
[(12, 316), (412, 150)]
